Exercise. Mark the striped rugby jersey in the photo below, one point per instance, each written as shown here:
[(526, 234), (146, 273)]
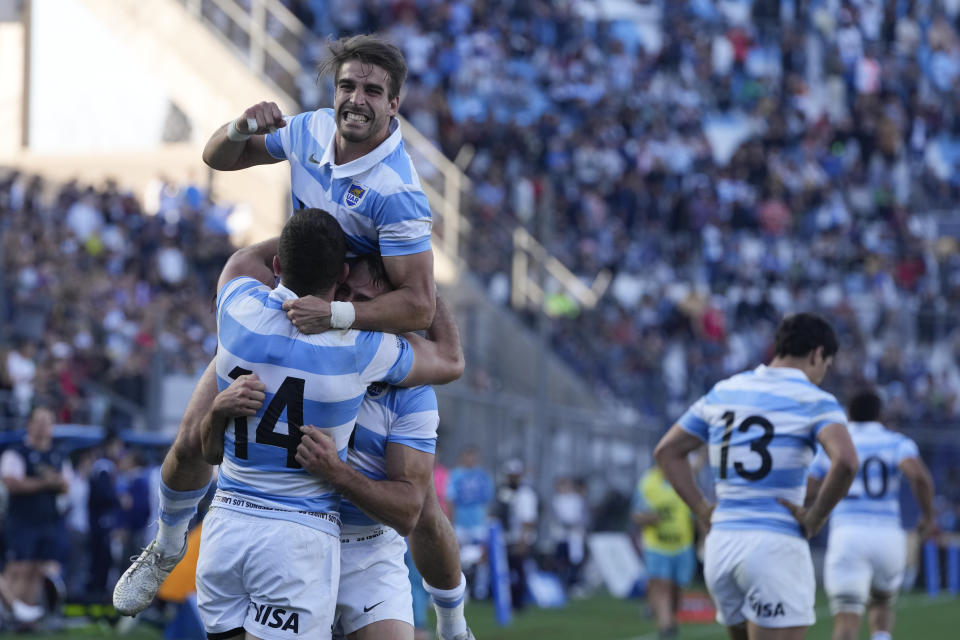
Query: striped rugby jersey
[(377, 198), (316, 379), (761, 428), (389, 414), (874, 496)]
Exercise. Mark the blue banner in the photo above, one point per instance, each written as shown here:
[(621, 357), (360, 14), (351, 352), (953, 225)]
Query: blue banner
[(499, 575)]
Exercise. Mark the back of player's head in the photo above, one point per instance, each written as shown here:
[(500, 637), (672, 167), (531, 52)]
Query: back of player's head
[(801, 333), (864, 406), (311, 252), (368, 50)]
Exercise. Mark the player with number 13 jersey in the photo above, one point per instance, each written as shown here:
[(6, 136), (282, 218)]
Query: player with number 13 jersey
[(761, 428)]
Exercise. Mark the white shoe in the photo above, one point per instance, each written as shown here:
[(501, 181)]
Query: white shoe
[(139, 584), (25, 613)]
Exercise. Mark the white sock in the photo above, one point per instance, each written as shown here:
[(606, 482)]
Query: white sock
[(448, 604), (177, 509), (881, 635)]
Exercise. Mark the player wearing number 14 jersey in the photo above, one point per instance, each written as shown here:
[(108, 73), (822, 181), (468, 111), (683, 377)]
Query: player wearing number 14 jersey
[(762, 427), (867, 547)]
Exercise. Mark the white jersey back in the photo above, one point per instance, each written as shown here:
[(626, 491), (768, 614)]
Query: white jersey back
[(761, 428), (377, 198), (388, 414), (317, 380), (874, 496)]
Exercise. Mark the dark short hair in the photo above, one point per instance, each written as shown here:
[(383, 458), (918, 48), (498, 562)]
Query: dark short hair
[(368, 50), (801, 333), (311, 251), (864, 406), (376, 268)]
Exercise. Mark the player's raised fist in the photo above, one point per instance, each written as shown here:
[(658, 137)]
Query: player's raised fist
[(261, 118)]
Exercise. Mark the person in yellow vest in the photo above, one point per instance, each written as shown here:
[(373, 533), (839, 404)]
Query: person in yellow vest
[(667, 546)]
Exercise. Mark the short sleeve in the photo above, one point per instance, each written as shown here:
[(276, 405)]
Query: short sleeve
[(820, 465), (417, 420), (404, 223), (280, 143), (233, 290), (906, 448), (694, 422), (824, 412), (383, 357)]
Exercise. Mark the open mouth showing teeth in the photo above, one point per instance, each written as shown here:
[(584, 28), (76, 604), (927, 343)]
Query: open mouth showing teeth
[(355, 117)]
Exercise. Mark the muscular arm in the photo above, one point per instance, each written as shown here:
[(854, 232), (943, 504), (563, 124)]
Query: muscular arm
[(921, 483), (439, 358), (823, 497), (396, 501), (410, 306), (243, 398), (224, 154), (672, 456), (255, 261)]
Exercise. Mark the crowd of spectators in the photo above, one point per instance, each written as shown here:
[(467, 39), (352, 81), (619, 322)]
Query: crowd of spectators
[(726, 161), (99, 286)]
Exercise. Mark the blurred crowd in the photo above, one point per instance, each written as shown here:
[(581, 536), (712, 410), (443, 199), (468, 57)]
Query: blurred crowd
[(100, 287), (726, 161)]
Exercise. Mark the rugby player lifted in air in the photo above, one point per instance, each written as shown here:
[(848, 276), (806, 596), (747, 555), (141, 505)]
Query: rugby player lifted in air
[(351, 162), (762, 427)]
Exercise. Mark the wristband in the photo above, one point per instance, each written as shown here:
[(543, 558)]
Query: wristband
[(235, 135), (342, 315)]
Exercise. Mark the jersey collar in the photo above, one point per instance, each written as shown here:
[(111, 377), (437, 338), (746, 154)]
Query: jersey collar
[(365, 162), (782, 372), (281, 293)]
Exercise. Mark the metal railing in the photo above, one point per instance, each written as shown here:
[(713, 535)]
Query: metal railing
[(270, 39)]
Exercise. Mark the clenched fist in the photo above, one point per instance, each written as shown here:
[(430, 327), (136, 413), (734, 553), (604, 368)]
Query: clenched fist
[(260, 119), (243, 397)]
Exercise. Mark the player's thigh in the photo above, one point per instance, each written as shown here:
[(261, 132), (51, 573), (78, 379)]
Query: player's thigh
[(778, 580), (723, 556), (384, 630), (374, 582), (847, 569), (188, 435), (222, 598), (889, 560), (756, 632), (291, 574)]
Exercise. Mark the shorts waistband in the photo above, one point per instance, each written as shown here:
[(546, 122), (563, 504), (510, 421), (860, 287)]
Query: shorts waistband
[(371, 533), (242, 503)]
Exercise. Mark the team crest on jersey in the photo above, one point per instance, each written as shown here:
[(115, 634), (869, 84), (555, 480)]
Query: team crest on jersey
[(355, 195), (377, 389)]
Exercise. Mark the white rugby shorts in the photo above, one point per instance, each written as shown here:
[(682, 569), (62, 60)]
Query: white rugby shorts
[(274, 578), (374, 579), (861, 558), (760, 576)]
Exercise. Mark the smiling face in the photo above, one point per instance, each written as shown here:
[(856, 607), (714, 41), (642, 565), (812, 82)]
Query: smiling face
[(361, 102)]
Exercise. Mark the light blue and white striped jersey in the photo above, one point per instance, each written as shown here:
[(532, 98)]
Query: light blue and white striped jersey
[(317, 380), (377, 198), (761, 427), (389, 414), (874, 496)]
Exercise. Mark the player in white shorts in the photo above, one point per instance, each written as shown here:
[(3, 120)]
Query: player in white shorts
[(384, 481), (269, 555), (866, 548), (762, 427), (350, 161)]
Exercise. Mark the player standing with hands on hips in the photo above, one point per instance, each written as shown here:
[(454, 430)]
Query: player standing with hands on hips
[(762, 427), (349, 161)]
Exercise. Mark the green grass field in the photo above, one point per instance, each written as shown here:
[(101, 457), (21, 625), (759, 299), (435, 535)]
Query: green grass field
[(606, 618)]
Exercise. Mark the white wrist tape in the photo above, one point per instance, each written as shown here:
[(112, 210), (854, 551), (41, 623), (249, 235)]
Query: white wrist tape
[(235, 135), (342, 315)]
